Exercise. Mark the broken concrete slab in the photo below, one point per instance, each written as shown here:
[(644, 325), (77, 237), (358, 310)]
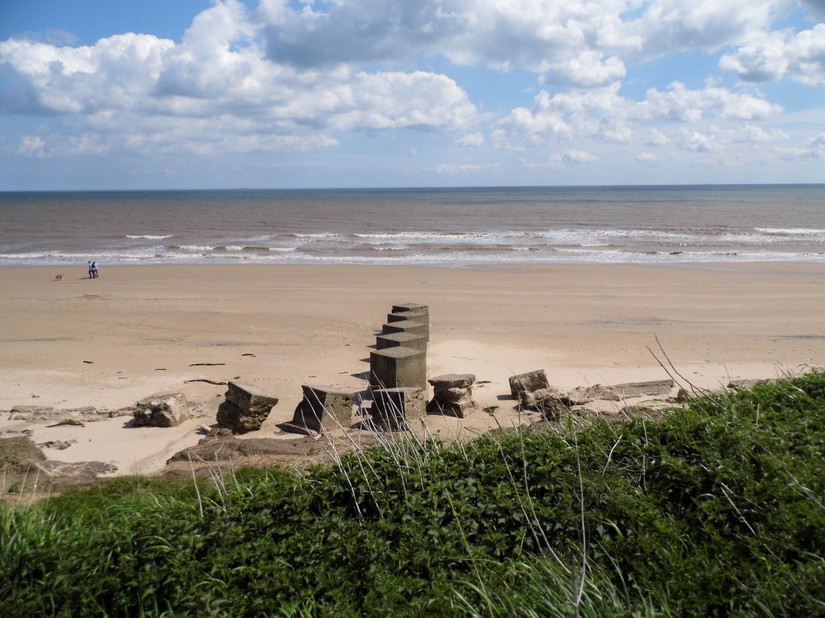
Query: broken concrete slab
[(654, 388)]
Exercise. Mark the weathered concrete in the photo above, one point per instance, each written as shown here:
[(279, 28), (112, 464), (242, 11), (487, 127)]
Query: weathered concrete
[(582, 395), (167, 410), (549, 401), (406, 307), (405, 326), (394, 408), (398, 367), (245, 408), (407, 340), (452, 394), (417, 316), (248, 396), (412, 316), (527, 383), (419, 313), (324, 407), (644, 389)]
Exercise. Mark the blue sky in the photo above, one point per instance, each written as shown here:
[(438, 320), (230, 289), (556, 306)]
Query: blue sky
[(108, 94)]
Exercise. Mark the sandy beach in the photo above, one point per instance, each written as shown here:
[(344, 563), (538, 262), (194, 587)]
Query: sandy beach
[(136, 331)]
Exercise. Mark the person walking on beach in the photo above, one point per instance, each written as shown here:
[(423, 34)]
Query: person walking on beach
[(90, 269), (94, 270)]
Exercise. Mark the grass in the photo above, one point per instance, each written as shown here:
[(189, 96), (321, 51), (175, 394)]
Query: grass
[(715, 510)]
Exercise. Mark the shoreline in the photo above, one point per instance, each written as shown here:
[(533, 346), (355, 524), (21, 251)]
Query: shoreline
[(139, 331)]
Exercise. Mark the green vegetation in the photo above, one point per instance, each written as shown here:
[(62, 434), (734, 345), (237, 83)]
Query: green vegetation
[(715, 510)]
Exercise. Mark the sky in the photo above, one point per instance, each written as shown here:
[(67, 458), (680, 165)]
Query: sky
[(200, 94)]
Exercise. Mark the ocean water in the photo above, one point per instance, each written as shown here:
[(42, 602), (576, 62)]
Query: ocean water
[(447, 227)]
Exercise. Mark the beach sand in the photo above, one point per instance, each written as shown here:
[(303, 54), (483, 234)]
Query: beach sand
[(141, 330)]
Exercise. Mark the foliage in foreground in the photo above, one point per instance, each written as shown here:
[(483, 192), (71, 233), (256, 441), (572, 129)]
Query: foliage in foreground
[(715, 510)]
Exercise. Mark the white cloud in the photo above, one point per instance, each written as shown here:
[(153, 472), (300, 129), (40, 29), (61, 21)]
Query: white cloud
[(574, 42), (35, 146), (466, 168), (813, 149), (695, 141), (302, 75), (657, 138), (600, 112), (589, 69), (773, 56), (668, 26), (607, 116), (688, 105), (219, 73), (474, 140), (32, 146), (574, 156), (113, 73), (402, 100)]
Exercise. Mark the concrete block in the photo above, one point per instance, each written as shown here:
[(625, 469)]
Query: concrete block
[(452, 394), (398, 367), (644, 389), (245, 408), (407, 340), (405, 307), (249, 397), (416, 316), (168, 410), (393, 408), (405, 326), (412, 316), (324, 407), (528, 382)]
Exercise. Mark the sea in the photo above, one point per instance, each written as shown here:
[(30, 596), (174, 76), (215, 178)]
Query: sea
[(451, 227)]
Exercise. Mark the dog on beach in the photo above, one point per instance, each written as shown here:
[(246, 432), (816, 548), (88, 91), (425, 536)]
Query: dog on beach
[(58, 277)]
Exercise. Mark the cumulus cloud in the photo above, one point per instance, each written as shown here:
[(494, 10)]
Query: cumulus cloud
[(696, 141), (601, 112), (299, 75), (772, 56), (668, 26), (572, 42), (606, 115), (220, 74), (113, 73), (684, 104)]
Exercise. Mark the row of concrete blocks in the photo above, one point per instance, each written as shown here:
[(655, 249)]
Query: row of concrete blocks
[(400, 357), (398, 367), (398, 384)]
